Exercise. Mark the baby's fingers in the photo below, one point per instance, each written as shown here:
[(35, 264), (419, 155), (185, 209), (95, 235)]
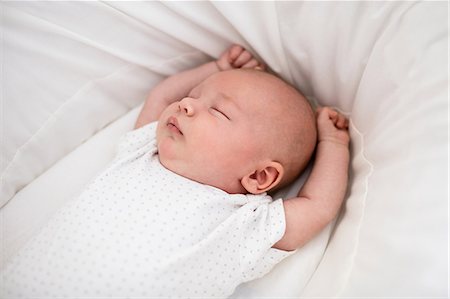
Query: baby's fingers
[(254, 64), (339, 120), (333, 115), (243, 58), (326, 114), (251, 64), (234, 52), (342, 122)]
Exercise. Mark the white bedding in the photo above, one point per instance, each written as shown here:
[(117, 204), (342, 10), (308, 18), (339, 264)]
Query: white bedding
[(72, 68)]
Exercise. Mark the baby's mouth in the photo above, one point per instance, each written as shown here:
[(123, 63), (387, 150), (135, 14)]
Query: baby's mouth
[(173, 125)]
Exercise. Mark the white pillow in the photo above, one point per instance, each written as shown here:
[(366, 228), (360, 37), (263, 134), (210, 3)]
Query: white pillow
[(385, 64)]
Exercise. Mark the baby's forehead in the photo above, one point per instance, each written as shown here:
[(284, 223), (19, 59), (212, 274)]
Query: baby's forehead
[(243, 86)]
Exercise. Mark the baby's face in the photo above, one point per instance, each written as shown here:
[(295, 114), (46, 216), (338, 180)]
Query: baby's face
[(213, 135)]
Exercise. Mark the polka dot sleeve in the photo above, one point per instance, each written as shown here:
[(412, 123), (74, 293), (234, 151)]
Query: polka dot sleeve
[(263, 225)]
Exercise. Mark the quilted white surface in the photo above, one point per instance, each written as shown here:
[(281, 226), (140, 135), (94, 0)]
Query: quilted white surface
[(70, 68)]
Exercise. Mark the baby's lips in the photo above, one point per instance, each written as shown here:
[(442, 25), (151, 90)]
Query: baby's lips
[(172, 123)]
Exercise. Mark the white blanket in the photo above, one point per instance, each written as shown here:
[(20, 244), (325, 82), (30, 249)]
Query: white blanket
[(71, 68)]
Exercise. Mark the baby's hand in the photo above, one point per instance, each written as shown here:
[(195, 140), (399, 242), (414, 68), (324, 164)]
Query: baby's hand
[(237, 57), (332, 126)]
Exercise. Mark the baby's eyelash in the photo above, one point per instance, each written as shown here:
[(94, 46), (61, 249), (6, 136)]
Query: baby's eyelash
[(221, 113)]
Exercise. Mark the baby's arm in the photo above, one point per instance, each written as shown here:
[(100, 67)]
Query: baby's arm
[(178, 86), (320, 198)]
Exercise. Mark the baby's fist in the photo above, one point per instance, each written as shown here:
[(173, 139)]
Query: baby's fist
[(332, 126), (238, 57)]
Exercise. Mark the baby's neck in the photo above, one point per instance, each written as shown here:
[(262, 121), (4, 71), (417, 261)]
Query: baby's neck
[(235, 188)]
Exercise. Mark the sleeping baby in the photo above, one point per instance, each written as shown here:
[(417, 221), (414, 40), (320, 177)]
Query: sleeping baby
[(183, 210)]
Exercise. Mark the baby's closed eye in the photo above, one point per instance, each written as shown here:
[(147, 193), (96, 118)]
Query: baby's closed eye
[(219, 113)]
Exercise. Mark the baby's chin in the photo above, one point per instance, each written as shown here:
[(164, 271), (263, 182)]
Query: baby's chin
[(165, 158), (171, 163)]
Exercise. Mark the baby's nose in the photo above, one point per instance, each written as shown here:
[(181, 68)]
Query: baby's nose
[(186, 106)]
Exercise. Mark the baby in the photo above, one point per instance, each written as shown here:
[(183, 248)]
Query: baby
[(183, 209), (251, 137)]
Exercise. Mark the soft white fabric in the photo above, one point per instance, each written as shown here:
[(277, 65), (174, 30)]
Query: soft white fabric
[(73, 67), (141, 230)]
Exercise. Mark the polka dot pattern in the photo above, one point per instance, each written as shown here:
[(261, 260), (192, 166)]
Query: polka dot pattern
[(140, 230)]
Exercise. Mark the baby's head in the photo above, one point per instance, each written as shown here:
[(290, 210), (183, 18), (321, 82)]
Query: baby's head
[(243, 131)]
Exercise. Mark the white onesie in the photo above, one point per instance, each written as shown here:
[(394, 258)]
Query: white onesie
[(140, 230)]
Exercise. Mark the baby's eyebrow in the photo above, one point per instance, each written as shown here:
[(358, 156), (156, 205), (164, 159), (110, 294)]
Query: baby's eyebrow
[(224, 96), (228, 100)]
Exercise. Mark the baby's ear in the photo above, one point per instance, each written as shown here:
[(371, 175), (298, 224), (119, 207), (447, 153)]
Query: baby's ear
[(264, 179)]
